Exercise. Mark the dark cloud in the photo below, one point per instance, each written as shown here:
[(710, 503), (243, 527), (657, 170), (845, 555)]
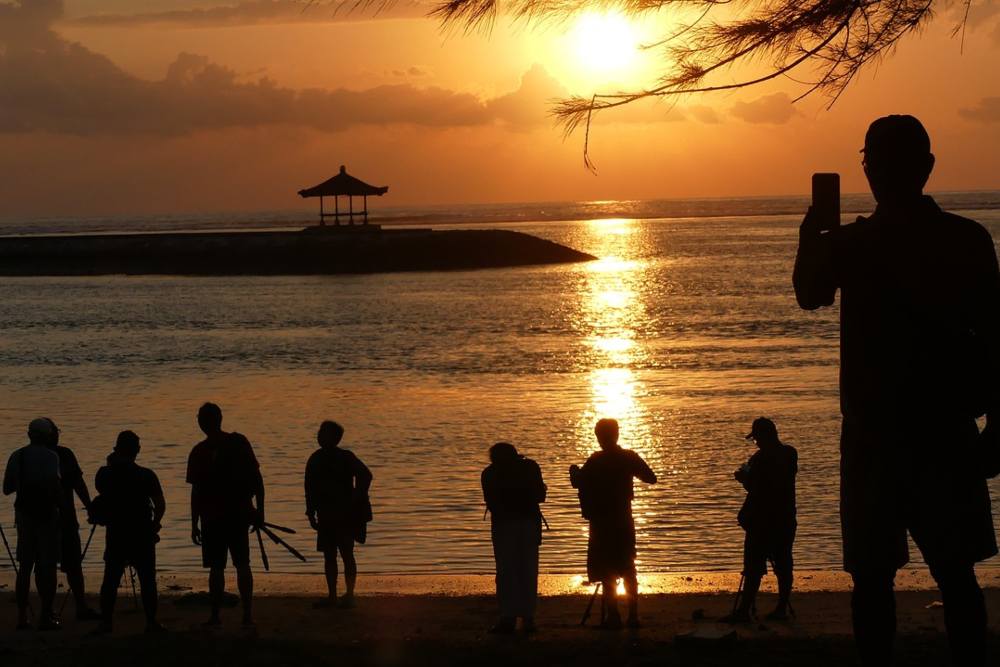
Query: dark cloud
[(775, 109), (50, 84), (252, 12), (986, 111)]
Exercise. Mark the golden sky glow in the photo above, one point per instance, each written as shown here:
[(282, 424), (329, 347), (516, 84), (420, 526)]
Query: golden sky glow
[(202, 113)]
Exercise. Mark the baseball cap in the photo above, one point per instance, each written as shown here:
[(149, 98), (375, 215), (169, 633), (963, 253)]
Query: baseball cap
[(762, 426)]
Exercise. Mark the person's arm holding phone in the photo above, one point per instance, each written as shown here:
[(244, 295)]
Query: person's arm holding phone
[(814, 278)]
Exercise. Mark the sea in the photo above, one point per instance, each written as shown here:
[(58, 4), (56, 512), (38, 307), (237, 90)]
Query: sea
[(684, 329)]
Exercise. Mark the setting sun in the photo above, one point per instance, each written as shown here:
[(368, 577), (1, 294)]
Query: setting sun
[(605, 43)]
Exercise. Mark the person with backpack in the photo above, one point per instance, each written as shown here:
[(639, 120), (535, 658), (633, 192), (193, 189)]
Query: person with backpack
[(225, 479), (131, 506), (605, 489), (33, 474), (513, 490), (338, 508)]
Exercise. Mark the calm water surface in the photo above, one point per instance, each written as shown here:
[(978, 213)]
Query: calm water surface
[(685, 330)]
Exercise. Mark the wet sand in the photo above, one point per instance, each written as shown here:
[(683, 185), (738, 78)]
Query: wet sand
[(451, 629)]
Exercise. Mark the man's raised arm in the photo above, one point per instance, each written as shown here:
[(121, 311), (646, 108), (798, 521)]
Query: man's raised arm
[(813, 276)]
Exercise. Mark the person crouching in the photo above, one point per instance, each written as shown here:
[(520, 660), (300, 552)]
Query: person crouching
[(513, 490)]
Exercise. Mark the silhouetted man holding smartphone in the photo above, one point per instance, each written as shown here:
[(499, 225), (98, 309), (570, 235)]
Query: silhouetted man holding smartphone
[(920, 329), (224, 476)]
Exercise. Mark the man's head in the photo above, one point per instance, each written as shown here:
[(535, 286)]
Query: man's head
[(763, 432), (502, 451), (43, 431), (127, 445), (210, 418), (330, 434), (606, 431), (897, 158)]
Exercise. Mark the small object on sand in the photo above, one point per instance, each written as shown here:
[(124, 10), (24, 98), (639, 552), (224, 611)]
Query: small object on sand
[(707, 634), (698, 614), (937, 604), (178, 587)]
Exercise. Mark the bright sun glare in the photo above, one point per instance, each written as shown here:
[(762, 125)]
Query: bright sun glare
[(606, 42)]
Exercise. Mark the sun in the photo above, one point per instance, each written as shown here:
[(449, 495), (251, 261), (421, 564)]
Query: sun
[(606, 43)]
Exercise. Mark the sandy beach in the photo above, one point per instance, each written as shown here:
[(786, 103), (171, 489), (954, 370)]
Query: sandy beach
[(427, 628)]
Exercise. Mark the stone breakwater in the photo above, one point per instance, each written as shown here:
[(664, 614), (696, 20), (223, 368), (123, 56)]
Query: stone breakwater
[(309, 252)]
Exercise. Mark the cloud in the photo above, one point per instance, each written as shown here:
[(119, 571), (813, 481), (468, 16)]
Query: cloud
[(50, 84), (775, 109), (986, 111), (705, 114), (253, 12)]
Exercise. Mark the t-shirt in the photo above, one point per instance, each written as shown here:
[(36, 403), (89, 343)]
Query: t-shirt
[(330, 479), (770, 485), (127, 494), (225, 472), (919, 310), (605, 481), (71, 474), (33, 474)]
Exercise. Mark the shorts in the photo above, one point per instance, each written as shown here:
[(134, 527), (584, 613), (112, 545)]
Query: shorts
[(926, 482), (760, 546), (335, 529), (71, 556), (38, 541), (611, 547), (222, 538), (130, 547)]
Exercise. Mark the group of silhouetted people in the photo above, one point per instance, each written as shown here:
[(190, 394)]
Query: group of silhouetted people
[(227, 504), (920, 362)]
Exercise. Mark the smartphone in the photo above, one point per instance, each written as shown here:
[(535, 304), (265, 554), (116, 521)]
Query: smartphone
[(826, 199)]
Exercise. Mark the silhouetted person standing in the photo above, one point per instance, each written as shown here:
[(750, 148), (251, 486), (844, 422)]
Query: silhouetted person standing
[(336, 486), (132, 506), (768, 517), (920, 307), (605, 489), (513, 489), (225, 477), (70, 547), (33, 474)]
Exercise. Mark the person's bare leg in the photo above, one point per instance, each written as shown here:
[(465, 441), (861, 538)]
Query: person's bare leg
[(216, 588), (609, 592), (244, 581), (631, 581), (22, 591), (330, 568), (350, 569), (45, 581), (74, 578)]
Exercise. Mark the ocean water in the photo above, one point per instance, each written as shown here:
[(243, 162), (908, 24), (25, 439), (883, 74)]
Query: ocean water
[(685, 329)]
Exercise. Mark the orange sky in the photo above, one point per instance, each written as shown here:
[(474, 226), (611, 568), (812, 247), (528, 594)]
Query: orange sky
[(197, 110)]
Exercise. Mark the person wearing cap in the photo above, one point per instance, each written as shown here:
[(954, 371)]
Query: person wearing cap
[(768, 517), (920, 361), (70, 547), (513, 490), (33, 474), (131, 506)]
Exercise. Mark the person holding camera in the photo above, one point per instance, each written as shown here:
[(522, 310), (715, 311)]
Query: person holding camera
[(605, 489), (768, 517), (919, 363), (513, 490), (131, 506)]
